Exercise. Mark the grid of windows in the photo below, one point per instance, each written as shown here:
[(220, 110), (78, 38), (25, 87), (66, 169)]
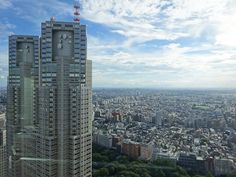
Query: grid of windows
[(49, 107)]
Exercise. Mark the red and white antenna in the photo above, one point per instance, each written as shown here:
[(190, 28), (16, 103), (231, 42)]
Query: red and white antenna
[(76, 12)]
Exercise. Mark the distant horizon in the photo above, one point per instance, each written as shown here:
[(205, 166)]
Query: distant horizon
[(158, 88), (170, 88)]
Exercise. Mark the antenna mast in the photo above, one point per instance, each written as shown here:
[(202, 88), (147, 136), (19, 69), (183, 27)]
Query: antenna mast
[(76, 11)]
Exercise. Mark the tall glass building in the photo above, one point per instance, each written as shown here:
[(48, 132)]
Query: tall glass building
[(49, 110)]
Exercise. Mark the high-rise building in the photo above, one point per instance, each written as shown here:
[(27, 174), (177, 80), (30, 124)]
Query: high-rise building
[(49, 110), (2, 152), (21, 97), (65, 102)]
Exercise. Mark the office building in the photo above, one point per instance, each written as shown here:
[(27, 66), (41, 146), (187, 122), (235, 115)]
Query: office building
[(65, 107), (49, 111), (21, 97), (2, 152)]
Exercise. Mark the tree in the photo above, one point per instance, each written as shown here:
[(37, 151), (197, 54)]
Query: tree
[(108, 163), (100, 158), (209, 175), (161, 174), (233, 174), (112, 169), (146, 175), (123, 159), (129, 174), (103, 172), (181, 171)]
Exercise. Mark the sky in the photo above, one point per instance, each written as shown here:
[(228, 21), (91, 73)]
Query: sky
[(140, 43)]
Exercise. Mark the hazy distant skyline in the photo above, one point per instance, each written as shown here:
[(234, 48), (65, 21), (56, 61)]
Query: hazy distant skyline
[(136, 43)]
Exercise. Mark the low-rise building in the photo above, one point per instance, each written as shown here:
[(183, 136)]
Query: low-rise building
[(146, 151), (102, 139), (223, 166), (131, 148), (191, 162)]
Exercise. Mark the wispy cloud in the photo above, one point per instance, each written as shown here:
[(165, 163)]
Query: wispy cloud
[(6, 29), (137, 20), (39, 11), (142, 21), (3, 67), (5, 4), (206, 59), (171, 65)]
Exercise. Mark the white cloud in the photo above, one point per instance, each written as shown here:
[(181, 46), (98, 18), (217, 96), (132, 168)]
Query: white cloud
[(226, 30), (142, 21), (173, 65), (208, 60), (4, 4), (136, 19), (3, 67), (5, 30), (5, 27)]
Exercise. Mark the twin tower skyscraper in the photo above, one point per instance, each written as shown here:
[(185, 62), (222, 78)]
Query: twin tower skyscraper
[(49, 110)]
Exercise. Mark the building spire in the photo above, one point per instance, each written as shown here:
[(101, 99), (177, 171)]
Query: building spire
[(76, 11)]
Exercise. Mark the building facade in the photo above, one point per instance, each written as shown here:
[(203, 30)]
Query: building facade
[(2, 152), (21, 97), (222, 167), (131, 148), (49, 112), (146, 151), (65, 111), (104, 140), (191, 162)]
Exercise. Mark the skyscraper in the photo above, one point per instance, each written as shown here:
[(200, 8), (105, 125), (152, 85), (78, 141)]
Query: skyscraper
[(2, 152), (65, 101), (49, 111), (21, 97)]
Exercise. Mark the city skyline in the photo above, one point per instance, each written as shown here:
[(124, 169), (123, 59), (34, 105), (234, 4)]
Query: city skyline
[(151, 44)]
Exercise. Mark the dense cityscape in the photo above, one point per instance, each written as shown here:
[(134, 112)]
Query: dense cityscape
[(3, 102), (194, 129)]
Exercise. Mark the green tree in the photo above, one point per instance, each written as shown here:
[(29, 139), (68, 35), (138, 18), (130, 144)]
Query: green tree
[(129, 174), (103, 172), (123, 159), (100, 158), (233, 174), (121, 167), (112, 169), (209, 175), (146, 175), (181, 171)]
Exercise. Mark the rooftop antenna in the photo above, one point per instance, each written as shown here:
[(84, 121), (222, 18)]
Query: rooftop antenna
[(76, 11), (52, 19)]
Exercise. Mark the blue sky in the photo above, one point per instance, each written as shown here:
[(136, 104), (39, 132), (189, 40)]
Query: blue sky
[(140, 43)]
